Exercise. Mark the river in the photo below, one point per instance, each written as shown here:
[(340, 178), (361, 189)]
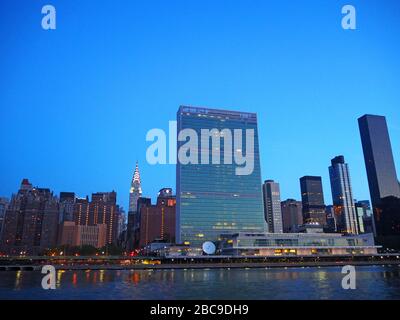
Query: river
[(373, 282)]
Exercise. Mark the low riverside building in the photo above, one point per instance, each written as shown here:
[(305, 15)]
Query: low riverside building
[(296, 244), (170, 250), (78, 235)]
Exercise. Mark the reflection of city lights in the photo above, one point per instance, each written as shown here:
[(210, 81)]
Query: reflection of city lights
[(18, 279), (74, 279), (135, 278), (59, 277), (322, 276)]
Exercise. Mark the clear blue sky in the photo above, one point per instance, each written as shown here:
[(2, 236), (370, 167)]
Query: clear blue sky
[(76, 103)]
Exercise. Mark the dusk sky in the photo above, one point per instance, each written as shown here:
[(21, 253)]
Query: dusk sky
[(76, 102)]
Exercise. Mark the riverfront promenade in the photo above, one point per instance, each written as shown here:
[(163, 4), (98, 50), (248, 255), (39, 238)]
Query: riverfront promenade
[(199, 262)]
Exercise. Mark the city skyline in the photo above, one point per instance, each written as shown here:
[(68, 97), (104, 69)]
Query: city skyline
[(213, 200), (306, 78), (173, 183), (199, 157)]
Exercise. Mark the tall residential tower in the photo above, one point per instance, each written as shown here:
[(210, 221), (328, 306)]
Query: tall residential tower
[(342, 196), (272, 206), (31, 221)]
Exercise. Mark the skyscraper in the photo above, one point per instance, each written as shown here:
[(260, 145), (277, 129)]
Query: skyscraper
[(103, 209), (312, 197), (133, 224), (331, 226), (31, 221), (292, 215), (121, 222), (213, 198), (272, 206), (368, 217), (81, 211), (342, 196), (67, 202), (136, 222), (381, 170), (157, 222), (136, 190), (3, 208)]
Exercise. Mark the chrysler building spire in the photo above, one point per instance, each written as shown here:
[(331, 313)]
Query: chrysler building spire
[(136, 190)]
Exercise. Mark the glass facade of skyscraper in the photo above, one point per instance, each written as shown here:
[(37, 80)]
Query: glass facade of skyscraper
[(381, 171), (212, 199), (312, 197), (342, 196), (378, 156), (272, 206)]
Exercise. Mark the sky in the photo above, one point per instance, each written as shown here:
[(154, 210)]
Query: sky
[(76, 102)]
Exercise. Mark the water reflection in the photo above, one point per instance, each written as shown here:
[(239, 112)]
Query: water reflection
[(74, 279), (135, 277), (59, 278), (18, 280), (298, 283), (101, 277), (391, 274), (289, 274)]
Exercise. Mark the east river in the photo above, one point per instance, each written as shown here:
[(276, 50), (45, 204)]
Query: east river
[(372, 282)]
